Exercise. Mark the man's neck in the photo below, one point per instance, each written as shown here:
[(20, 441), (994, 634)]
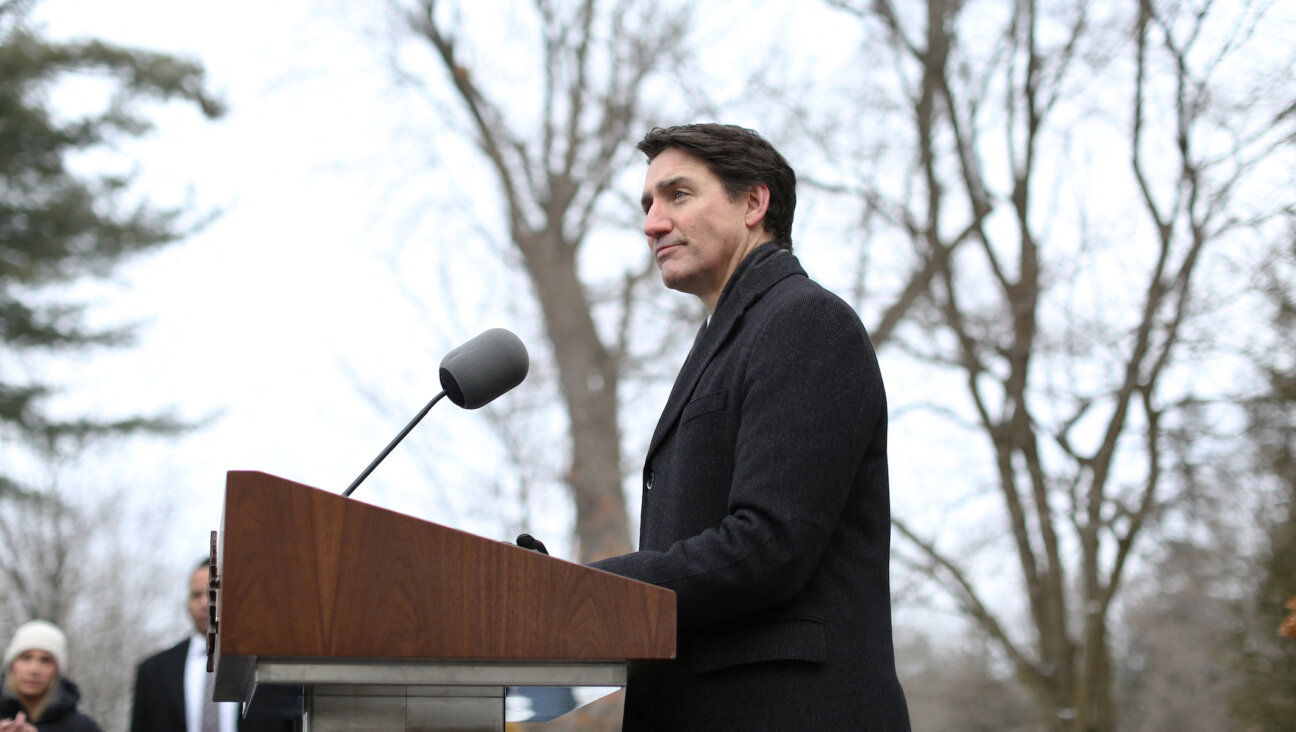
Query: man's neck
[(741, 254), (737, 274)]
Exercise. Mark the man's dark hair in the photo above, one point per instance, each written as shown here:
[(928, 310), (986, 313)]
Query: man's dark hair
[(740, 158)]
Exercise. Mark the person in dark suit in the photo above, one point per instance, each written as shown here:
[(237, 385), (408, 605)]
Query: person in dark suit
[(172, 687), (765, 500)]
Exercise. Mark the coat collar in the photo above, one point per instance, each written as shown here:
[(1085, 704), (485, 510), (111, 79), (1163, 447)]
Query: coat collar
[(755, 275)]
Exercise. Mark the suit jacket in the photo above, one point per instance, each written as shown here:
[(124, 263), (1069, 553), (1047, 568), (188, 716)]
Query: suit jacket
[(766, 509), (159, 704)]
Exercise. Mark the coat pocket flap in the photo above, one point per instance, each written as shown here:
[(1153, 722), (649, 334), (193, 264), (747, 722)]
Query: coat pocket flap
[(790, 639), (705, 404)]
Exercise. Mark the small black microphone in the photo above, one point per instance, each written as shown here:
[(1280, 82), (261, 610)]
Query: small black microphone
[(472, 375)]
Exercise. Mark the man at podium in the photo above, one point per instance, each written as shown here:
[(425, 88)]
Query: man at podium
[(765, 494)]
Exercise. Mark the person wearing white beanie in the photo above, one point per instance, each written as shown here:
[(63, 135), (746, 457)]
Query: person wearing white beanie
[(33, 695), (38, 635)]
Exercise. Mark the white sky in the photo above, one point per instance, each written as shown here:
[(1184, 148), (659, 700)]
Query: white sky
[(257, 316), (254, 316), (261, 315)]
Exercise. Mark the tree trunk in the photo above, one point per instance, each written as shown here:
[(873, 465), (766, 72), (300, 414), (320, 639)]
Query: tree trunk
[(588, 378)]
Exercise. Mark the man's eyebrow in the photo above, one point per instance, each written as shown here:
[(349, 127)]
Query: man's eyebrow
[(664, 184)]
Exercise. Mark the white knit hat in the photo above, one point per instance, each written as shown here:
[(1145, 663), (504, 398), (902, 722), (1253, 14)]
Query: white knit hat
[(38, 635)]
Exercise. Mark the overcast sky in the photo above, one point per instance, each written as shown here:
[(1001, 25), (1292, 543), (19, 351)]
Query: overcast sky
[(271, 316), (257, 318)]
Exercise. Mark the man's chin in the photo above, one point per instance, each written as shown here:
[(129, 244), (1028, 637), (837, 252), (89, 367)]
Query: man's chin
[(676, 282)]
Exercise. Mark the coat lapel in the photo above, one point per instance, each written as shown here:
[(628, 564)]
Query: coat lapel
[(755, 276)]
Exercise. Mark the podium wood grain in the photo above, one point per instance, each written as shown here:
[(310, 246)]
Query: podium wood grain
[(305, 573)]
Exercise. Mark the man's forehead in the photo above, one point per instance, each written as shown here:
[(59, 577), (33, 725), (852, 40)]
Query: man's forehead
[(680, 169), (673, 162)]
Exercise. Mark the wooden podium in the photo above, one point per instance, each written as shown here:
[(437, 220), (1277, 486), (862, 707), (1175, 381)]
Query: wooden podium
[(383, 622)]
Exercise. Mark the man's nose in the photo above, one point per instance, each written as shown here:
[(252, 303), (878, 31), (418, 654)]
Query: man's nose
[(656, 224)]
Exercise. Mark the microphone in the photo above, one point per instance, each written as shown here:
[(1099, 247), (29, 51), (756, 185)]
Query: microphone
[(485, 367), (472, 375)]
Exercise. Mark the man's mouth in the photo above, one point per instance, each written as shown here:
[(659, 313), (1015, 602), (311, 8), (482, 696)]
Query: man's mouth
[(662, 247)]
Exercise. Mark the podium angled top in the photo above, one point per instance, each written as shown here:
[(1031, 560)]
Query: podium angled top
[(304, 574)]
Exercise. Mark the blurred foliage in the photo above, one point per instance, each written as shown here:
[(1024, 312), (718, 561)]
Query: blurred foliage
[(60, 226), (1266, 696)]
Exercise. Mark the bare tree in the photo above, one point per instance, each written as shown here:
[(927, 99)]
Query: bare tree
[(40, 558), (1173, 638), (83, 564), (562, 175), (556, 171), (1076, 176), (1059, 178), (555, 130), (961, 685)]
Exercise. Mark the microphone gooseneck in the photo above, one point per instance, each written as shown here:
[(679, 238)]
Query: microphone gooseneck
[(392, 445), (472, 375)]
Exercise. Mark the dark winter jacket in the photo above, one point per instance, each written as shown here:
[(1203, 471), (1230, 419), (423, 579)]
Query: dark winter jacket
[(766, 509), (60, 716)]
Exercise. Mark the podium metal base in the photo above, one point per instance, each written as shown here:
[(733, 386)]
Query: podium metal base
[(454, 696), (405, 708)]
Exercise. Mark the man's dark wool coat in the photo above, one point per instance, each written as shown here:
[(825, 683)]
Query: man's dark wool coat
[(765, 508)]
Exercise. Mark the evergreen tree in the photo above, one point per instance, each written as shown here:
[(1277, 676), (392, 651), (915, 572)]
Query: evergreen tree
[(59, 227)]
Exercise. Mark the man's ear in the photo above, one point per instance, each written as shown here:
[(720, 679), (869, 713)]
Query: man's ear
[(758, 197)]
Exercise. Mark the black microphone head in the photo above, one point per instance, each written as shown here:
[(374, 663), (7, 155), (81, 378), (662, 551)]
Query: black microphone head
[(483, 368)]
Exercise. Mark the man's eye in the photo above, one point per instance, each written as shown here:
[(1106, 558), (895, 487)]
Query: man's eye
[(677, 195)]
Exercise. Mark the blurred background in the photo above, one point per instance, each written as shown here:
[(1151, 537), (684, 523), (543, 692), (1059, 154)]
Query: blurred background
[(243, 235)]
